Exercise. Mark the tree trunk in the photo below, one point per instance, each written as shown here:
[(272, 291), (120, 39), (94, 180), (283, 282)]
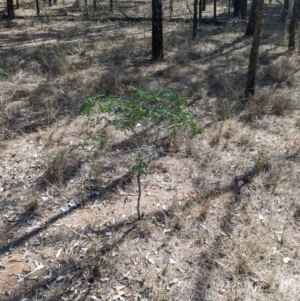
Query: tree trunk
[(203, 5), (237, 7), (195, 20), (215, 9), (157, 30), (240, 8), (229, 7), (10, 10), (252, 19), (94, 5), (292, 26), (50, 3), (286, 7), (200, 10), (243, 10), (17, 4), (37, 7), (255, 48), (111, 6), (171, 9)]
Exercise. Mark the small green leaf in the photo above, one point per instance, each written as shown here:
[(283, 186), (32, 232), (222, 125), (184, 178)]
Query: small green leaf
[(82, 145), (87, 106), (195, 128)]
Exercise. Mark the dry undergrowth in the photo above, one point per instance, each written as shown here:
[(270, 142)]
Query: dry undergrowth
[(221, 212)]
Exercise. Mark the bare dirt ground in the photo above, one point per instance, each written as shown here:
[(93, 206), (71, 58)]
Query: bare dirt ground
[(221, 210)]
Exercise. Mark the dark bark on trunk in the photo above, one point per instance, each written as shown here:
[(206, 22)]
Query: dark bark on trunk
[(286, 7), (203, 5), (292, 26), (10, 10), (250, 86), (195, 20), (240, 8), (157, 30), (94, 5), (229, 7), (111, 6), (86, 9), (252, 19), (171, 9), (50, 3), (17, 4), (200, 10), (37, 7), (243, 12), (54, 2), (236, 7), (215, 9)]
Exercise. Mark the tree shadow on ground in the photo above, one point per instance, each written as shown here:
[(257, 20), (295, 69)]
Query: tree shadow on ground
[(208, 261), (88, 269), (63, 169)]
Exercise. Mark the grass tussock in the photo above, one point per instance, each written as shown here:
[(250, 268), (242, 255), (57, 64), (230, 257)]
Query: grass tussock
[(116, 82), (280, 72), (268, 103), (53, 59)]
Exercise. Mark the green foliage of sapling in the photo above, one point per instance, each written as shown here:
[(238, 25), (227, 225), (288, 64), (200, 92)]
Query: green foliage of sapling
[(165, 110)]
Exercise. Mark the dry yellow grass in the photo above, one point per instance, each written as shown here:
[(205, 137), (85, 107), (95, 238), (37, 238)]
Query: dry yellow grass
[(220, 210)]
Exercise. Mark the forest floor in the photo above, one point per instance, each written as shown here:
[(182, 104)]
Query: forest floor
[(221, 210)]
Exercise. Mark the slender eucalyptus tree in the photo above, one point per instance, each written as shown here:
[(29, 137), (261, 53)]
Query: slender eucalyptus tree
[(292, 26), (10, 10), (200, 10), (195, 19), (243, 9), (236, 7), (171, 9), (286, 7), (157, 30), (37, 7), (240, 8), (252, 19), (250, 86)]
